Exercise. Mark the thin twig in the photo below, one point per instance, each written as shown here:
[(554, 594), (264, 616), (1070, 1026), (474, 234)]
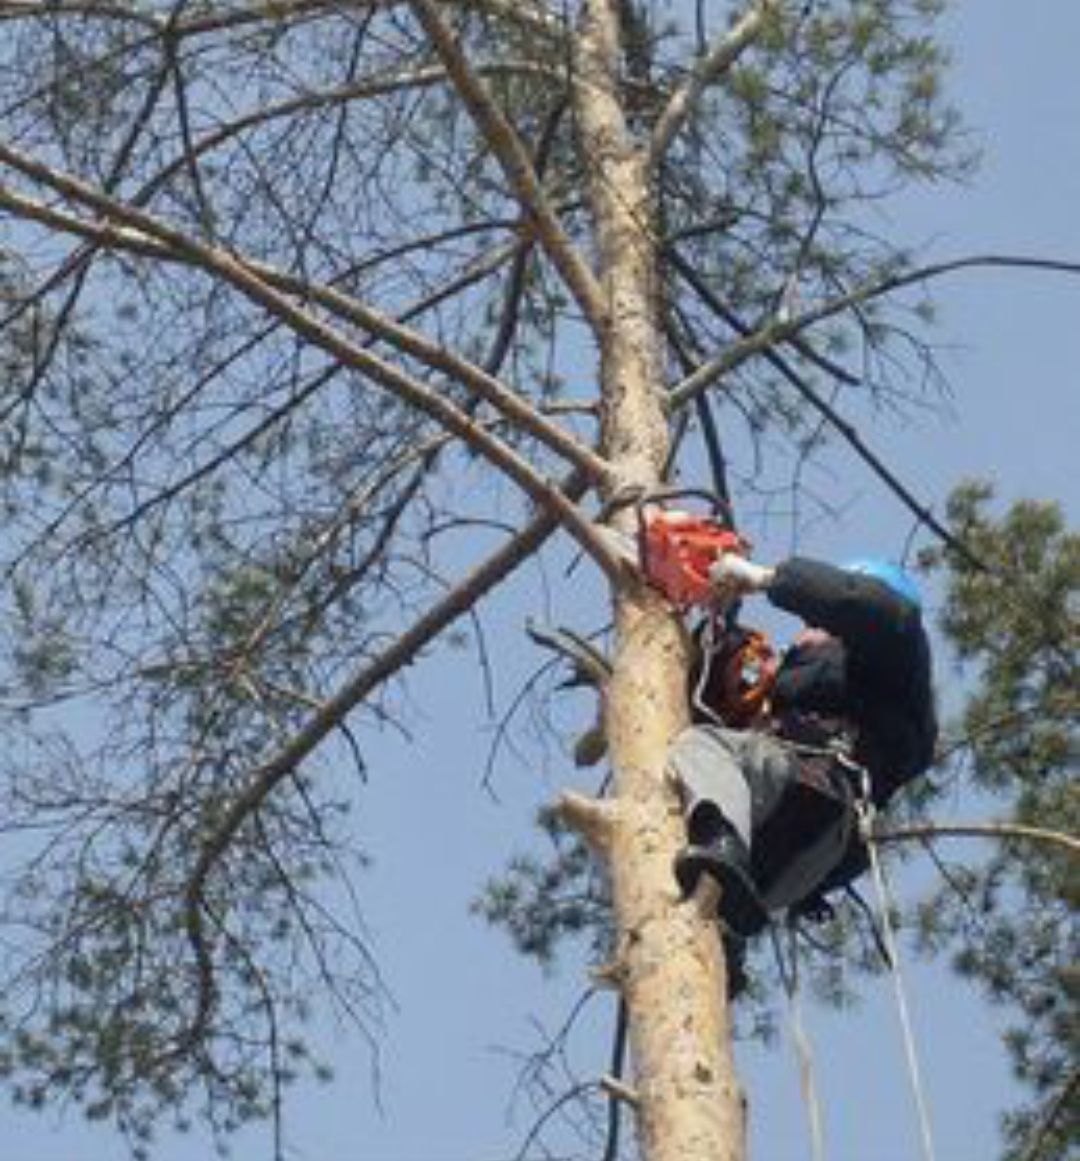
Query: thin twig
[(334, 710)]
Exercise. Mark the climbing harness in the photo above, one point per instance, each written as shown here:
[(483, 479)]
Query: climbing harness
[(738, 670)]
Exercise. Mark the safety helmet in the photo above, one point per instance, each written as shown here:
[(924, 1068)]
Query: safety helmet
[(890, 575)]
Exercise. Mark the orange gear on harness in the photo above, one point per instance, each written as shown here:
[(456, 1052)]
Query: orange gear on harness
[(748, 674), (733, 676)]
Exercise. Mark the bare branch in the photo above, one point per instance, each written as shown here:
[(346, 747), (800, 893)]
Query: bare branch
[(723, 53), (507, 146), (253, 284), (620, 1090), (998, 830), (592, 818), (587, 660), (774, 331)]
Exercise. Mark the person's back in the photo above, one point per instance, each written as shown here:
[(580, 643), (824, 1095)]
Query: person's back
[(868, 676)]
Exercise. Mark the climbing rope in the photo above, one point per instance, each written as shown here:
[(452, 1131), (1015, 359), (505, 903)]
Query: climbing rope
[(709, 643), (865, 811), (804, 1054)]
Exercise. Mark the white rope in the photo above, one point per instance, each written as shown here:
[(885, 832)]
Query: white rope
[(865, 813), (709, 645), (804, 1053)]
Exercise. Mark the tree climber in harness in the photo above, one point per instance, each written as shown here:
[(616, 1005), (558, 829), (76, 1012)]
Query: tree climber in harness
[(780, 747)]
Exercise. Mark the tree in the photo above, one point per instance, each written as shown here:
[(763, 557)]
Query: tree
[(1010, 922), (295, 294)]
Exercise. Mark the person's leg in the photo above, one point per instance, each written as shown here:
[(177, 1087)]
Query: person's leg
[(804, 845), (726, 779), (707, 764)]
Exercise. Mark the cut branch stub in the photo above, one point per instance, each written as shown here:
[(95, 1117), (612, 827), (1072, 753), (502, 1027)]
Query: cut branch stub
[(592, 818)]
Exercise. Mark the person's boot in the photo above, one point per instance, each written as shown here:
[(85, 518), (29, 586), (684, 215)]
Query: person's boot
[(717, 850)]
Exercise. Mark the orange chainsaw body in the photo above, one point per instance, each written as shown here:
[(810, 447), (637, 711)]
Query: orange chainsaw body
[(677, 551)]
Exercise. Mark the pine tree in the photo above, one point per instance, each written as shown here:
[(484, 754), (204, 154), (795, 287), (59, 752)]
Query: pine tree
[(1009, 922), (292, 292)]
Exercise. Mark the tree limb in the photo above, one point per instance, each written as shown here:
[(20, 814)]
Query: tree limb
[(620, 1090), (587, 660), (516, 164), (722, 54), (775, 331), (135, 224), (592, 818), (999, 830)]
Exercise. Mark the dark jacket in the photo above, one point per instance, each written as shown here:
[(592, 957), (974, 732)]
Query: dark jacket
[(875, 675)]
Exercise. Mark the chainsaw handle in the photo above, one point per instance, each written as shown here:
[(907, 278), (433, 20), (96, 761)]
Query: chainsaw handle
[(664, 495)]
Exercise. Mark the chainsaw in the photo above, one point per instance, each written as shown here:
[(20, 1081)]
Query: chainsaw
[(677, 548)]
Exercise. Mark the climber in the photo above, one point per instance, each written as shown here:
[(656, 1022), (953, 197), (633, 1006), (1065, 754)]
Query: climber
[(780, 747)]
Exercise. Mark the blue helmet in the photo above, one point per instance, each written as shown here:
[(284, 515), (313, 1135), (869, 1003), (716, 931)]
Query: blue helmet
[(891, 575)]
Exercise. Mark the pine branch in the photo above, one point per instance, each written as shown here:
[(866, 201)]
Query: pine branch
[(130, 226), (775, 331), (720, 57), (999, 830), (1063, 1102), (506, 145)]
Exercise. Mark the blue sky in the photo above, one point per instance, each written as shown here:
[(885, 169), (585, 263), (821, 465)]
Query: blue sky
[(462, 999)]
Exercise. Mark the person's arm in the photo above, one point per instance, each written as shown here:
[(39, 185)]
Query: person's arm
[(849, 605)]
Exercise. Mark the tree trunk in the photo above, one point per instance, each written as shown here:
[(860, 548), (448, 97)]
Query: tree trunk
[(668, 960)]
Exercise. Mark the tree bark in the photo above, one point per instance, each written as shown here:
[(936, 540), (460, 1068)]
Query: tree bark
[(668, 960)]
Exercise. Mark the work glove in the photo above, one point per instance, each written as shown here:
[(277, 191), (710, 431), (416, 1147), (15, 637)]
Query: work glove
[(735, 575)]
